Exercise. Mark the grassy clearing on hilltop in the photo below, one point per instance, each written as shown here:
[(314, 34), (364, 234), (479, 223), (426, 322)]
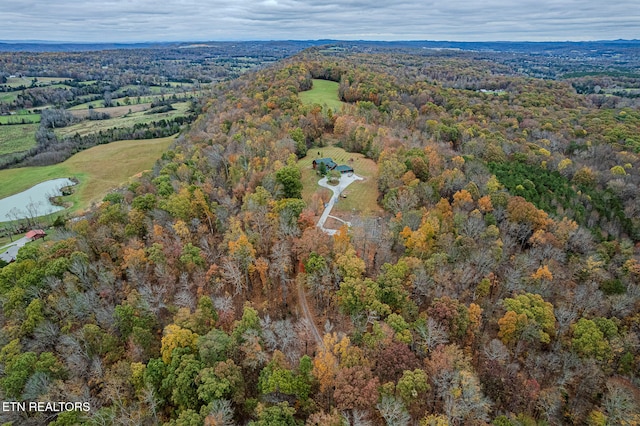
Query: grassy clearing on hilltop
[(99, 169), (324, 92), (362, 196)]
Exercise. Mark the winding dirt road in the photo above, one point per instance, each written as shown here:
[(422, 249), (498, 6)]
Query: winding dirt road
[(302, 299)]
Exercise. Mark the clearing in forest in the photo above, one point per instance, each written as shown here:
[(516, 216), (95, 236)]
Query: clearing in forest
[(323, 92), (361, 196)]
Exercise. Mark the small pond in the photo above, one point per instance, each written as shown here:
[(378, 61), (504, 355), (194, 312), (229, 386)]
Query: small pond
[(34, 201)]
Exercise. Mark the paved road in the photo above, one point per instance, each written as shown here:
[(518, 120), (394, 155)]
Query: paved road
[(345, 181), (12, 249)]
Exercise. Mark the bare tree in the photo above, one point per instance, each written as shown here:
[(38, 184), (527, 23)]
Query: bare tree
[(356, 418), (185, 297), (15, 215), (431, 334), (393, 411), (495, 350), (220, 414), (280, 335), (233, 275), (619, 404)]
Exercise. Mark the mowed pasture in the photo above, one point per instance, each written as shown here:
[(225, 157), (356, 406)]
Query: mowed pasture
[(21, 137), (155, 90), (17, 138), (323, 92), (129, 120), (361, 196), (9, 97), (27, 81), (99, 169), (135, 100), (114, 112), (19, 119)]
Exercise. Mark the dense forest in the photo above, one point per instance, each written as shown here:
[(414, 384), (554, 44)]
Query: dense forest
[(501, 285)]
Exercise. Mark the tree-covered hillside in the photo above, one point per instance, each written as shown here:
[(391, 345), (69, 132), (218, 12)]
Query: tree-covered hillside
[(500, 286)]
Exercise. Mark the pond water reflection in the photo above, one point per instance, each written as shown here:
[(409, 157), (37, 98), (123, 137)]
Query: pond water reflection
[(34, 201)]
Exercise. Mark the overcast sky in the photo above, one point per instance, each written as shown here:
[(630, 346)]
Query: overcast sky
[(202, 20)]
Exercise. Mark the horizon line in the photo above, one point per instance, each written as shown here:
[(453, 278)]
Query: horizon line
[(15, 41)]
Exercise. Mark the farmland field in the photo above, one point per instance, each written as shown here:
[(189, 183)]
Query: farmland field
[(93, 104), (87, 127), (155, 90), (324, 92), (133, 100), (113, 112), (26, 81), (361, 197), (8, 97), (17, 138), (99, 169), (19, 118)]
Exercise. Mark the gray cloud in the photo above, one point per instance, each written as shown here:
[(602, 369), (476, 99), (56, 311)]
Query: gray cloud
[(182, 20)]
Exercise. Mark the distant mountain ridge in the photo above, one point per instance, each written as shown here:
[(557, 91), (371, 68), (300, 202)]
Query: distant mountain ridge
[(500, 46)]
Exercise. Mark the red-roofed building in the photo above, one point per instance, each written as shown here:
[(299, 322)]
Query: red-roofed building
[(35, 234)]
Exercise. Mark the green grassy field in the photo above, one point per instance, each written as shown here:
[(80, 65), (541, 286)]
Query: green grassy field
[(58, 86), (26, 81), (8, 97), (21, 137), (133, 100), (113, 112), (18, 118), (17, 138), (310, 185), (87, 105), (361, 196), (156, 90), (87, 127), (99, 169), (4, 240), (324, 92)]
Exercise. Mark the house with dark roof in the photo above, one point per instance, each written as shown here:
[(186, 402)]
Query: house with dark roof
[(328, 162), (343, 168)]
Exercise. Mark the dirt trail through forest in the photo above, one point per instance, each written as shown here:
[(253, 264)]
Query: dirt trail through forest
[(302, 299)]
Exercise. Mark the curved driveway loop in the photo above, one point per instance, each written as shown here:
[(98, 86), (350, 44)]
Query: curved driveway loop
[(345, 181)]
